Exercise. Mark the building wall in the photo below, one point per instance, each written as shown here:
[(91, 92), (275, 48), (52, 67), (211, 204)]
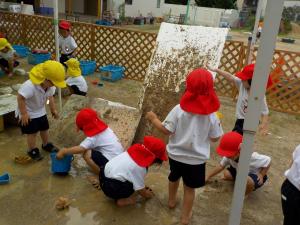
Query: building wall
[(78, 6)]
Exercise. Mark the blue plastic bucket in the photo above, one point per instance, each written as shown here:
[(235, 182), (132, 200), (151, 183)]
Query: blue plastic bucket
[(112, 72), (21, 50), (37, 58), (4, 178), (87, 67), (60, 165)]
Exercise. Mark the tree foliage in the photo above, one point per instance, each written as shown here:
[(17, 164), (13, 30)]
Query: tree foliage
[(222, 4)]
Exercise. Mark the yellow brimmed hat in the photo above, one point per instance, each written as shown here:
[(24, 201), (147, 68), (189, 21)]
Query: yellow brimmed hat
[(50, 70), (4, 43), (73, 68)]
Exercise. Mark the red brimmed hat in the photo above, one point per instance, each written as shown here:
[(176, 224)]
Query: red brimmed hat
[(88, 121), (229, 144), (200, 97), (145, 154), (64, 25), (247, 74)]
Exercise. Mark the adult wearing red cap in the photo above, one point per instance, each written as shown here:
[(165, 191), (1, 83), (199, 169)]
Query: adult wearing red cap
[(242, 81), (125, 174), (67, 43), (229, 149), (100, 145), (191, 125)]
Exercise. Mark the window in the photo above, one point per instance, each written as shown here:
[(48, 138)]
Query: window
[(158, 4), (177, 2), (128, 2)]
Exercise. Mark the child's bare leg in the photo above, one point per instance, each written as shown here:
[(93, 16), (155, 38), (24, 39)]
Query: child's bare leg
[(173, 187), (31, 141), (250, 185), (44, 136), (126, 201), (227, 175), (87, 156), (188, 200)]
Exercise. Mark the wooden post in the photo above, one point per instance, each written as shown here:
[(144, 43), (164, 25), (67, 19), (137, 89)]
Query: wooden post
[(1, 123), (99, 9)]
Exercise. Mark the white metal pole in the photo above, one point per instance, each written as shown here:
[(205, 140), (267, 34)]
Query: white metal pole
[(257, 92), (55, 6), (257, 18)]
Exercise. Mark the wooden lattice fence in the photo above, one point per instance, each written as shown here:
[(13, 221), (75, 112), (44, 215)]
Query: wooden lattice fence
[(133, 50)]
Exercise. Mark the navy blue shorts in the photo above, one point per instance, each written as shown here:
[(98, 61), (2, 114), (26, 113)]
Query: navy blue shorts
[(238, 126), (193, 176), (76, 90), (99, 159), (36, 125), (115, 189), (253, 176)]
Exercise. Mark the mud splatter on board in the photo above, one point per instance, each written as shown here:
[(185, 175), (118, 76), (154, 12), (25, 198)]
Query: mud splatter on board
[(179, 50)]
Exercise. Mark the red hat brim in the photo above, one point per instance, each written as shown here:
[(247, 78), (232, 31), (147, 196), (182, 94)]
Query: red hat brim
[(96, 127), (141, 155), (200, 104), (225, 153)]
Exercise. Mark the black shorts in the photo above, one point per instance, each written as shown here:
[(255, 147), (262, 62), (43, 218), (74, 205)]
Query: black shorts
[(238, 126), (99, 159), (4, 63), (64, 58), (290, 202), (193, 176), (115, 189), (36, 125), (253, 176), (76, 90)]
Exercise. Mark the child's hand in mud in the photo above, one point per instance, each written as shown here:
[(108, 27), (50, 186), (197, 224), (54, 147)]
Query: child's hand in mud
[(60, 154), (149, 192), (151, 116), (24, 119)]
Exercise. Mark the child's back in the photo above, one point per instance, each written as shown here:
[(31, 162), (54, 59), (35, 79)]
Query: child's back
[(190, 139)]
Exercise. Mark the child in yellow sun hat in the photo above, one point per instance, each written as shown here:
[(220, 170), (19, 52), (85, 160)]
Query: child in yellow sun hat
[(7, 57), (32, 97), (76, 82)]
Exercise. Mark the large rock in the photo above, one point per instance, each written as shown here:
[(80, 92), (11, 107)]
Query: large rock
[(122, 119)]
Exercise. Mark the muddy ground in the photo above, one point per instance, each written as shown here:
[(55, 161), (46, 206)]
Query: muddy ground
[(30, 196)]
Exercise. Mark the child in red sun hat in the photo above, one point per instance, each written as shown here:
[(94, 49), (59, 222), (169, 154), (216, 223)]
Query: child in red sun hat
[(229, 148), (100, 145), (191, 125), (242, 81), (67, 44), (124, 175)]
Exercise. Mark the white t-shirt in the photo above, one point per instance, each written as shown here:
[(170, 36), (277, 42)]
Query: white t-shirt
[(123, 168), (293, 174), (67, 45), (190, 139), (106, 142), (35, 99), (242, 102), (79, 82), (257, 162), (8, 55)]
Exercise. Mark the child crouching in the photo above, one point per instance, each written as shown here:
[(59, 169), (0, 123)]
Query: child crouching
[(100, 145), (229, 148), (124, 175), (76, 82)]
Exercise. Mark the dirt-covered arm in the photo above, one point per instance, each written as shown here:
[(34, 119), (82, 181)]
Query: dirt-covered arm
[(152, 117), (214, 172)]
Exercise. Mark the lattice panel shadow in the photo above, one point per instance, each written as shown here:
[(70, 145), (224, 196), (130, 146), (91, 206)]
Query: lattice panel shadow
[(11, 25), (231, 61), (130, 49), (83, 35), (39, 33)]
